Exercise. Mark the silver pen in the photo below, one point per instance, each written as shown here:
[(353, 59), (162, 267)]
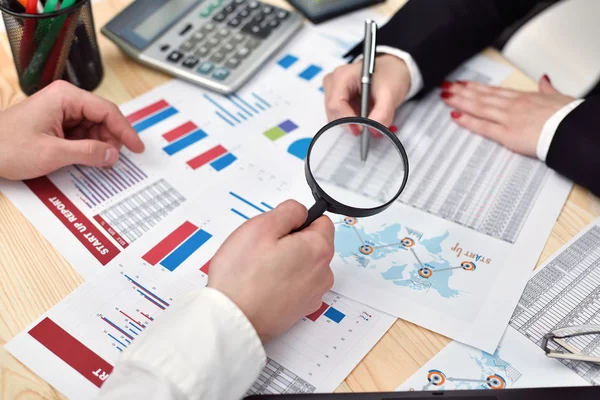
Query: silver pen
[(367, 72)]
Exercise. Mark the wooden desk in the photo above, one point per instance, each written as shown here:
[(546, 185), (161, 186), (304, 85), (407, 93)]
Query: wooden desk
[(34, 277)]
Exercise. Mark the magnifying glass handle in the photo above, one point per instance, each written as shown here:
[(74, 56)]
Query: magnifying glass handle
[(315, 212)]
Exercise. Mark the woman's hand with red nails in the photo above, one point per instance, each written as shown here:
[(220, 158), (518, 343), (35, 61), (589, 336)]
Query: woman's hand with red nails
[(512, 118)]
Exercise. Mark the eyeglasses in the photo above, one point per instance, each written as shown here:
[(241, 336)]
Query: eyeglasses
[(561, 343)]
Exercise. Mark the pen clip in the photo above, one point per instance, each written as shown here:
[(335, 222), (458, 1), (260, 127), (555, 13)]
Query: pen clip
[(373, 47)]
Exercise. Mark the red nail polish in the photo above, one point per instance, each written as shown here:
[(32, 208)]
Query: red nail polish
[(446, 85), (446, 95), (455, 114), (393, 129), (463, 83), (546, 77)]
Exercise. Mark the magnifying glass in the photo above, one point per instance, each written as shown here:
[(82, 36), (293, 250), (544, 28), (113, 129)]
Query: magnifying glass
[(343, 184)]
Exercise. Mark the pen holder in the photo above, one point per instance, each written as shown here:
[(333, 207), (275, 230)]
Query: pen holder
[(52, 46)]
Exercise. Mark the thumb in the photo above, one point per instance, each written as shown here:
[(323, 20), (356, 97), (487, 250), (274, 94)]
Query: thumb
[(546, 86), (92, 153), (286, 217)]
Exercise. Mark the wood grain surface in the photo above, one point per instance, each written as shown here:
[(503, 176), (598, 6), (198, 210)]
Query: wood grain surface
[(34, 277)]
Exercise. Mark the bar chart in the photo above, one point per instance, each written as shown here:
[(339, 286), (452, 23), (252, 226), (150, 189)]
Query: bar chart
[(247, 209), (328, 312), (234, 109), (151, 115), (217, 157), (279, 131), (177, 246), (96, 185), (305, 71)]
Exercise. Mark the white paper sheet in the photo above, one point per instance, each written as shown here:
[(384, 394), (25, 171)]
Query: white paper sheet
[(98, 212), (476, 217), (108, 312), (563, 292)]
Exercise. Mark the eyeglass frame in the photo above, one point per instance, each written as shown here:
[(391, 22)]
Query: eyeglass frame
[(574, 354)]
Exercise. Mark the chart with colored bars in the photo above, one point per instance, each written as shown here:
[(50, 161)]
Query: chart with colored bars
[(566, 292), (308, 72), (135, 215), (248, 208), (182, 137), (97, 185), (151, 115), (315, 346), (234, 109), (177, 247), (298, 148)]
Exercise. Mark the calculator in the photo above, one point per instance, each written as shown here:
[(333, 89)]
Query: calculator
[(217, 44)]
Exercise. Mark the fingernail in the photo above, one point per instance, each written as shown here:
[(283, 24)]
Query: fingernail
[(393, 129), (446, 85), (455, 114), (546, 77), (463, 83), (446, 95), (111, 155)]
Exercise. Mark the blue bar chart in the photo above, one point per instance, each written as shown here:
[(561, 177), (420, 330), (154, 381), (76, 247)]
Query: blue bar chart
[(185, 142), (234, 109), (305, 70), (177, 246), (247, 209), (96, 185)]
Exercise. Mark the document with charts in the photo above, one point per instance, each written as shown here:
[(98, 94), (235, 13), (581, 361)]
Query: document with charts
[(455, 252), (193, 137), (563, 292), (107, 313)]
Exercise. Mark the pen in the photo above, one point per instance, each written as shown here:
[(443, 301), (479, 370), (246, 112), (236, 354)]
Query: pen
[(367, 73)]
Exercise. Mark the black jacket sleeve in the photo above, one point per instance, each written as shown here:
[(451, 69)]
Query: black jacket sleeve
[(441, 34), (575, 148)]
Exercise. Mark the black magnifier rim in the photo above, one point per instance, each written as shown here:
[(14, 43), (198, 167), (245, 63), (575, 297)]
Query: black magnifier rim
[(335, 206)]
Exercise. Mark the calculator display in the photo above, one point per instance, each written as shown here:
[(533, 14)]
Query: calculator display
[(162, 18)]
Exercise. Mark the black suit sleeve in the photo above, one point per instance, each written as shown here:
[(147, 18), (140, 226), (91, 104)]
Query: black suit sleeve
[(575, 148), (441, 34)]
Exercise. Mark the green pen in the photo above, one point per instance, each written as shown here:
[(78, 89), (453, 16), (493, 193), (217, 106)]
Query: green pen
[(35, 69), (45, 24)]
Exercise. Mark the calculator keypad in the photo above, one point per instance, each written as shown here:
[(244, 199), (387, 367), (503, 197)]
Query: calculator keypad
[(222, 36)]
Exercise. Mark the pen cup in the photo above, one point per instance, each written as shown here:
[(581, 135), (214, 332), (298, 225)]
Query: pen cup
[(54, 45)]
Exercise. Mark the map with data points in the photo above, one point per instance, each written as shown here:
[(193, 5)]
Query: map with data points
[(402, 255)]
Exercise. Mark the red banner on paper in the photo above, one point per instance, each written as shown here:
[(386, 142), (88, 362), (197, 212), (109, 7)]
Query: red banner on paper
[(83, 360), (71, 217)]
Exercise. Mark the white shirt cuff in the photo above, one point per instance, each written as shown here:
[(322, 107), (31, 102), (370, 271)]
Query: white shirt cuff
[(416, 79), (550, 127), (204, 345)]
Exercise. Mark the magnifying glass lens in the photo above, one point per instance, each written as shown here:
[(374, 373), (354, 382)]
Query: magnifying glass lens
[(336, 165)]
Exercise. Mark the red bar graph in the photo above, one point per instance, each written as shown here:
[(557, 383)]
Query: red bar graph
[(314, 316), (207, 157), (168, 244), (206, 267), (83, 360), (146, 111), (179, 132)]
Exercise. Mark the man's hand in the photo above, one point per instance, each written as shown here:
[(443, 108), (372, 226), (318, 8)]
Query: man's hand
[(512, 118), (59, 126), (268, 271), (390, 85)]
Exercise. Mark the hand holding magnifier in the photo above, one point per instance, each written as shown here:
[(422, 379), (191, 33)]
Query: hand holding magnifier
[(343, 184)]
